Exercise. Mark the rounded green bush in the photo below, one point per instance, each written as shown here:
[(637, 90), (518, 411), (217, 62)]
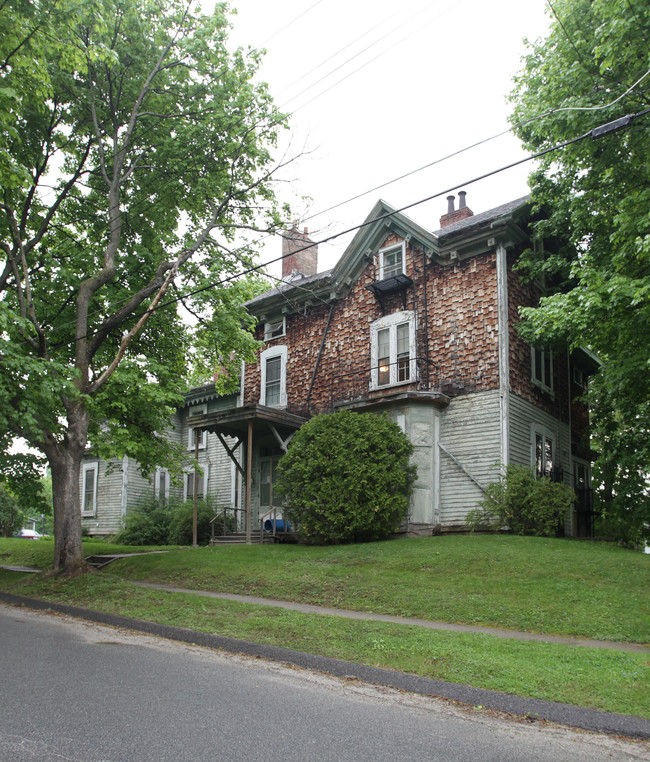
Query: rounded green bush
[(346, 478)]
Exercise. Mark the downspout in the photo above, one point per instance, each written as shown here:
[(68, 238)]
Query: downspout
[(320, 353), (570, 464), (426, 320), (504, 353), (125, 487)]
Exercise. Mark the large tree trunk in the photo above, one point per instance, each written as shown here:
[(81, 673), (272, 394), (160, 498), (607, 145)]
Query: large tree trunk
[(65, 462)]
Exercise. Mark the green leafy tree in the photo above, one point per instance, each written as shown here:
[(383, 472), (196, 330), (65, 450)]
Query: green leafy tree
[(346, 478), (594, 232), (133, 147), (11, 517)]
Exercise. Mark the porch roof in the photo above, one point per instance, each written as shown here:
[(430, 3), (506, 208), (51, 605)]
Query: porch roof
[(234, 422)]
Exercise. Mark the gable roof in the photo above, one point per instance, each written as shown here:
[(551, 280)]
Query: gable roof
[(469, 234)]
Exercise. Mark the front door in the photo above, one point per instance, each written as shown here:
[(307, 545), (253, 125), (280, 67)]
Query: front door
[(268, 470)]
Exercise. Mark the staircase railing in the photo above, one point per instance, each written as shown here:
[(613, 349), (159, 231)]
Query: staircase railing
[(223, 516)]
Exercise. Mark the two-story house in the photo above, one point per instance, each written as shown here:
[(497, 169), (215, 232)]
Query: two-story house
[(421, 326)]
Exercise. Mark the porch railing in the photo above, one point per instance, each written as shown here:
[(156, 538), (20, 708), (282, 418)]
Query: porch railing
[(227, 519)]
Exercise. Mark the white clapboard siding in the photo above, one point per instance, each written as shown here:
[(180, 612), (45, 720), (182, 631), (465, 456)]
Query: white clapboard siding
[(523, 418), (469, 431), (108, 514)]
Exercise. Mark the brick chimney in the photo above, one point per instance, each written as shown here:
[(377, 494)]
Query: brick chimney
[(452, 215), (294, 260)]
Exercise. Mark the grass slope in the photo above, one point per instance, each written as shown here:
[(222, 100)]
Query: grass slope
[(554, 586)]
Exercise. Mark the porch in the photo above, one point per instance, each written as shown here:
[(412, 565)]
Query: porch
[(261, 435)]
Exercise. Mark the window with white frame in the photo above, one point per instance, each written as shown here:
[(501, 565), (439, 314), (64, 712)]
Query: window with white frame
[(391, 261), (392, 350), (273, 392), (202, 482), (541, 361), (275, 329), (543, 454), (579, 377), (161, 484), (191, 432), (89, 489)]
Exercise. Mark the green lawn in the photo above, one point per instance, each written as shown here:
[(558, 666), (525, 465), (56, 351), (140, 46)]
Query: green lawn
[(553, 586)]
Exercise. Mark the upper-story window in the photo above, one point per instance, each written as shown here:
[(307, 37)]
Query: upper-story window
[(273, 390), (580, 377), (274, 329), (391, 261), (392, 350), (191, 432), (541, 361)]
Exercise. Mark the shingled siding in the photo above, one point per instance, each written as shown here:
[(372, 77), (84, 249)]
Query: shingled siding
[(469, 431), (455, 309), (520, 354), (463, 324)]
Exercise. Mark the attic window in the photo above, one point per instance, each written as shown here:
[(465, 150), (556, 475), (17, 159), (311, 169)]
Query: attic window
[(274, 329), (391, 261)]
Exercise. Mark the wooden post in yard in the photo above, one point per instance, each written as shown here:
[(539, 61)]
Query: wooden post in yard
[(249, 479), (197, 434)]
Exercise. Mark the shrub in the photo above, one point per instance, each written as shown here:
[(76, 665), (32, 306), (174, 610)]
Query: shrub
[(180, 524), (146, 524), (160, 523), (11, 517), (346, 478), (523, 503)]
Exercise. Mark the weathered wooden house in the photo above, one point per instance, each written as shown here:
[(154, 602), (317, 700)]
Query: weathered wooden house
[(109, 489), (419, 325)]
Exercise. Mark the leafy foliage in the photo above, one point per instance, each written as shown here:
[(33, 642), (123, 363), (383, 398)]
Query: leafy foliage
[(146, 524), (11, 517), (135, 147), (180, 525), (594, 197), (346, 478), (161, 523), (523, 503)]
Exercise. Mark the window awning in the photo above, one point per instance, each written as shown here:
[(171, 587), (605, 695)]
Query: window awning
[(395, 283)]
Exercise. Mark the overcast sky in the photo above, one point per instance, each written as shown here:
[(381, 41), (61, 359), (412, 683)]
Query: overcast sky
[(379, 89)]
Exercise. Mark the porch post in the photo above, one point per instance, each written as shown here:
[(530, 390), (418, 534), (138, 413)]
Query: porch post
[(249, 479)]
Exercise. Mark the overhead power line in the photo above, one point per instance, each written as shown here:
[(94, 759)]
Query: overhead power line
[(595, 133)]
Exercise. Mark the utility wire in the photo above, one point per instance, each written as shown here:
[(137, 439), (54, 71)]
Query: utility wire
[(138, 208), (594, 133)]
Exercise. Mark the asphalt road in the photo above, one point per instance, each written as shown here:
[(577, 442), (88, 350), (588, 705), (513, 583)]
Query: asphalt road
[(75, 690)]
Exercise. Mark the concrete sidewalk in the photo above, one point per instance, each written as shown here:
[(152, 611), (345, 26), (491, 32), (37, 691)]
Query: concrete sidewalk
[(347, 614)]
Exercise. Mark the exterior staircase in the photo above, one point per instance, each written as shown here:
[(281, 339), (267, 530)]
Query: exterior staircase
[(239, 538)]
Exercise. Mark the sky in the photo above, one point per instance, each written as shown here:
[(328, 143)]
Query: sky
[(379, 89)]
